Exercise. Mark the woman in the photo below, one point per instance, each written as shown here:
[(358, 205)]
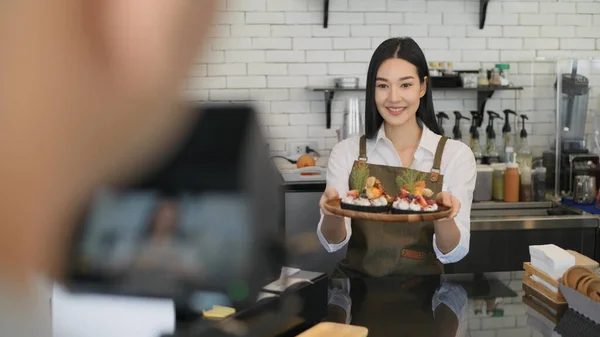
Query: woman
[(401, 134), (165, 248)]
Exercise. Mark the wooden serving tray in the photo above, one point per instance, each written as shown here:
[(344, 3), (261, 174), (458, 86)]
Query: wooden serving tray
[(329, 329), (334, 206)]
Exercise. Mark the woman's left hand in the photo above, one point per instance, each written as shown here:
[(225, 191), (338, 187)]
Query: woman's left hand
[(446, 199)]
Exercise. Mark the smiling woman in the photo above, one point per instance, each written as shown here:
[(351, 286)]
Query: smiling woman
[(402, 140), (400, 74)]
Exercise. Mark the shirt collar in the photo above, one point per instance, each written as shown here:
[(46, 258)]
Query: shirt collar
[(429, 140)]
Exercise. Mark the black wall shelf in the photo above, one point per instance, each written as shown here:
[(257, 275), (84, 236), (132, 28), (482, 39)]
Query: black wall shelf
[(325, 13), (483, 5), (483, 94)]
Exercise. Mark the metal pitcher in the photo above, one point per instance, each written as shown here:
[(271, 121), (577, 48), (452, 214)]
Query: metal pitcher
[(353, 123)]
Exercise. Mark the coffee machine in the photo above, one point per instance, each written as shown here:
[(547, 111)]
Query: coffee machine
[(575, 157)]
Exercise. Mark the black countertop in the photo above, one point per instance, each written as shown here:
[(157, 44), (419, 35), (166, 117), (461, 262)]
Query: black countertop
[(451, 305), (448, 305)]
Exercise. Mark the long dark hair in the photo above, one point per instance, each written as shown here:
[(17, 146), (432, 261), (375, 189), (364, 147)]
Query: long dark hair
[(407, 49)]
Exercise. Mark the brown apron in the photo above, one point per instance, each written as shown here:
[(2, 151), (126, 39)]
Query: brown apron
[(380, 249)]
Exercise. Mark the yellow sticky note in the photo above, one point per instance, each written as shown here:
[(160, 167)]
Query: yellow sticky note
[(218, 311)]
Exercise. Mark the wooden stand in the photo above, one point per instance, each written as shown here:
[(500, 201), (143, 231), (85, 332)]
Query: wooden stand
[(530, 270), (541, 299), (533, 304)]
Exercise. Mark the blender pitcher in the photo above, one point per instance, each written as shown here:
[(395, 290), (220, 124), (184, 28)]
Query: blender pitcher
[(573, 109)]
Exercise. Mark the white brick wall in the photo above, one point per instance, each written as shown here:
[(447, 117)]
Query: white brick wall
[(268, 51)]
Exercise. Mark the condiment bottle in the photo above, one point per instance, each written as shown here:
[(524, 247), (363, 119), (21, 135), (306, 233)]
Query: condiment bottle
[(524, 157), (509, 147), (525, 189), (498, 181), (511, 182), (491, 155)]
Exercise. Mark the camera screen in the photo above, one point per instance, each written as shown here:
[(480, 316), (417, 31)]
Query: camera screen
[(140, 242)]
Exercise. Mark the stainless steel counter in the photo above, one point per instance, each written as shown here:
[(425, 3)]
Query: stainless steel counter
[(529, 215), (501, 234)]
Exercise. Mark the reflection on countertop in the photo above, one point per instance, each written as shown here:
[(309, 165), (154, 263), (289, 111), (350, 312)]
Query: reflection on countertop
[(447, 305)]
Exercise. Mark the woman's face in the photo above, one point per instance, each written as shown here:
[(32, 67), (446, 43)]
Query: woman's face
[(398, 91)]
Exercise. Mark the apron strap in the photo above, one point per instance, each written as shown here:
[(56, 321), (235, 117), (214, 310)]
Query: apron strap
[(362, 156), (437, 160)]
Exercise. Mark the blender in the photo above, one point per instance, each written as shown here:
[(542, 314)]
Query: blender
[(575, 158)]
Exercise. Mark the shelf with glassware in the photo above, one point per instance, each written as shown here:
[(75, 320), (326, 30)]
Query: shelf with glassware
[(483, 94)]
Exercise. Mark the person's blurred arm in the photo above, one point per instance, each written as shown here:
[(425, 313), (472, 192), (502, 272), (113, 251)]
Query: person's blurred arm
[(88, 95)]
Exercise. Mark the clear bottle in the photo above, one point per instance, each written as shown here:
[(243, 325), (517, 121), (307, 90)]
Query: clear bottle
[(525, 190), (507, 135), (539, 182), (476, 148), (491, 154), (524, 156)]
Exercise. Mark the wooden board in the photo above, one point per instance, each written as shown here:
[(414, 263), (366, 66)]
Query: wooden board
[(334, 207), (582, 260), (329, 329)]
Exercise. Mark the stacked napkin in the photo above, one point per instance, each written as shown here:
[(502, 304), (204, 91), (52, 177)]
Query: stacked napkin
[(551, 259)]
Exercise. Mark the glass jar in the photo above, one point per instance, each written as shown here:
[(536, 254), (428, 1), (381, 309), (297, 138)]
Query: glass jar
[(433, 70), (482, 80), (504, 70), (495, 78)]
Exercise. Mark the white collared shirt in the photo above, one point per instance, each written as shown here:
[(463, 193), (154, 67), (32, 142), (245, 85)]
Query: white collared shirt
[(458, 168)]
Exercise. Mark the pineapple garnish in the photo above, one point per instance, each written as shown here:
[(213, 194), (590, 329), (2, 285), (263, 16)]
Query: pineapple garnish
[(359, 176)]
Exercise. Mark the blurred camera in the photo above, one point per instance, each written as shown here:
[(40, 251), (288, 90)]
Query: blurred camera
[(208, 220)]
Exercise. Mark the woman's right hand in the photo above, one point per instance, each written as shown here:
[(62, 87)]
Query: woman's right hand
[(329, 194)]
